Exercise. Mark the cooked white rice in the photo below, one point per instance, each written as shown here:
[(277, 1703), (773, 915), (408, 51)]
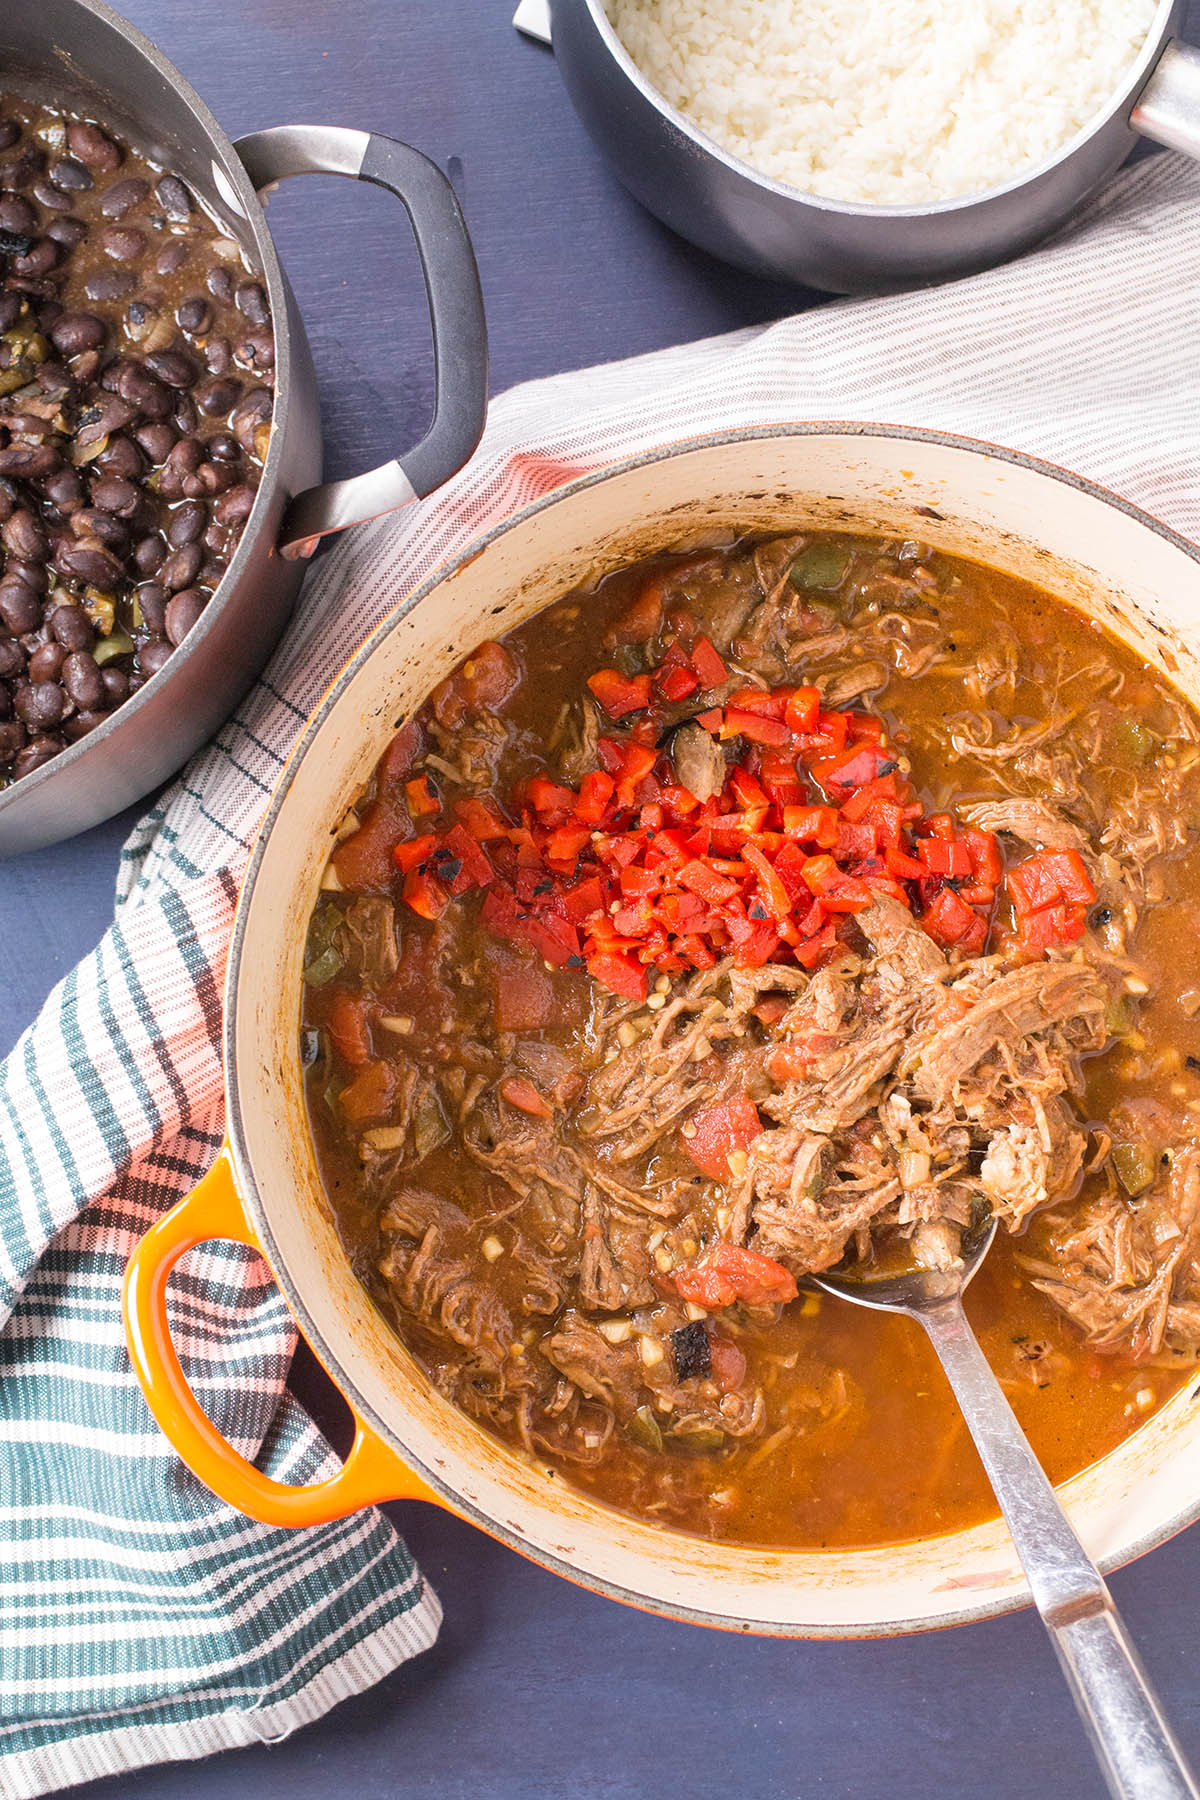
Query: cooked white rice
[(888, 102)]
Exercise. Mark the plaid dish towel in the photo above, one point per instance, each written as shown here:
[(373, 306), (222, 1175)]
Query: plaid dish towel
[(140, 1618)]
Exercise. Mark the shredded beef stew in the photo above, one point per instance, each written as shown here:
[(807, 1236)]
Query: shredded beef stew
[(767, 906)]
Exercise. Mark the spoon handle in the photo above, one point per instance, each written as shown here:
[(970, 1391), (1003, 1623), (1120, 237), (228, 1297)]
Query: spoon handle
[(1132, 1741)]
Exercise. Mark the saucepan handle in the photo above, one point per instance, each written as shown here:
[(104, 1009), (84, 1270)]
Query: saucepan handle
[(371, 1472), (1168, 108), (455, 306)]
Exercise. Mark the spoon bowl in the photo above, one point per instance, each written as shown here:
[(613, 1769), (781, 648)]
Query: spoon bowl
[(913, 1290)]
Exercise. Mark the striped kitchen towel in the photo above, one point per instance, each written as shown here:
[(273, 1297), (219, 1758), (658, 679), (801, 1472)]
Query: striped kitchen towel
[(140, 1619)]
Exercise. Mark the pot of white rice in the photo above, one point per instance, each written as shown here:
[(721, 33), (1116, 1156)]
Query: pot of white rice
[(867, 145)]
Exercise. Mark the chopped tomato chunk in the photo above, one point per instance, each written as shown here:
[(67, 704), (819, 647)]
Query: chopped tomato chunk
[(717, 1131), (521, 1093), (727, 1273)]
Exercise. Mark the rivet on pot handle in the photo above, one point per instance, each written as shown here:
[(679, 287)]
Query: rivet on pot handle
[(371, 1472), (455, 308)]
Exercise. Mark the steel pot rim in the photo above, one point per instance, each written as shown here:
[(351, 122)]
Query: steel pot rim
[(1119, 102), (234, 191), (239, 1100)]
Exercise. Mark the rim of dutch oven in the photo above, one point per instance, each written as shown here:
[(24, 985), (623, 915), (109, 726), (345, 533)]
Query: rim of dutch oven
[(241, 197), (235, 1123)]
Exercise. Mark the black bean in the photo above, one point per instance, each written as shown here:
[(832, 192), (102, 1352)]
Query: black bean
[(115, 683), (71, 175), (36, 755), (183, 612), (194, 314), (31, 462), (152, 603), (256, 350), (153, 655), (20, 608), (121, 458), (25, 537), (173, 367), (148, 554), (12, 658), (24, 168), (124, 243), (171, 258), (181, 568), (114, 495), (173, 197), (186, 524), (224, 446), (41, 705), (67, 232), (81, 678), (219, 279), (90, 523), (140, 389), (77, 331), (12, 741), (49, 197), (186, 456), (184, 415), (46, 661), (10, 310), (10, 131), (123, 196), (235, 507), (6, 701), (39, 260), (80, 723), (156, 440), (218, 396), (88, 561), (108, 284), (64, 489), (17, 215), (71, 625), (218, 354), (31, 573), (90, 145), (251, 302)]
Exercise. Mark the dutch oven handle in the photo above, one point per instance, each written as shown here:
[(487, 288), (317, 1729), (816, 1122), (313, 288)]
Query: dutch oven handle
[(1168, 107), (371, 1472), (455, 307)]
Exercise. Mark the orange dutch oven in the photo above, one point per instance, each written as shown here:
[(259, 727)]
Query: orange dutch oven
[(1113, 562)]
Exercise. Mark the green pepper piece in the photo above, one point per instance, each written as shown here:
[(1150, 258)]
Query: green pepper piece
[(1134, 1166), (117, 643), (1118, 1018), (822, 565), (430, 1129), (701, 1440), (322, 968), (644, 1429), (1136, 740)]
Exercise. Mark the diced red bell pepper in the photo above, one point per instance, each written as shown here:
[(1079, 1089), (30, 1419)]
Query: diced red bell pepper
[(812, 825), (522, 1094), (818, 948), (595, 791), (712, 1134), (1051, 876), (476, 870), (948, 919), (416, 850), (552, 802), (941, 856), (774, 894), (621, 974), (703, 879), (747, 789), (727, 1273), (707, 664), (637, 762), (677, 683), (765, 701), (425, 894), (802, 710), (420, 797), (481, 818), (754, 727), (620, 694), (837, 891), (987, 860), (583, 900)]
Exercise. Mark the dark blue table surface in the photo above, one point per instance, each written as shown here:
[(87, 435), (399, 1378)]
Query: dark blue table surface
[(537, 1689)]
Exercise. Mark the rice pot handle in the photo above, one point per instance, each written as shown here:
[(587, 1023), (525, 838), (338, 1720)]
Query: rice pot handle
[(1129, 1734), (460, 352), (371, 1472), (1168, 108)]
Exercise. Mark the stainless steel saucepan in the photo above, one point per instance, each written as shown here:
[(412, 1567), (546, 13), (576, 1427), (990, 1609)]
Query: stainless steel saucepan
[(81, 55), (725, 206)]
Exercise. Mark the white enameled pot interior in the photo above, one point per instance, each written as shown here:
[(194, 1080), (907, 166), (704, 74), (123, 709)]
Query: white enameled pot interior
[(1027, 518)]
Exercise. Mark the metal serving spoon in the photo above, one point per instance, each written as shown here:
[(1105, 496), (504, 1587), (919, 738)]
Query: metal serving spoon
[(1132, 1740)]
